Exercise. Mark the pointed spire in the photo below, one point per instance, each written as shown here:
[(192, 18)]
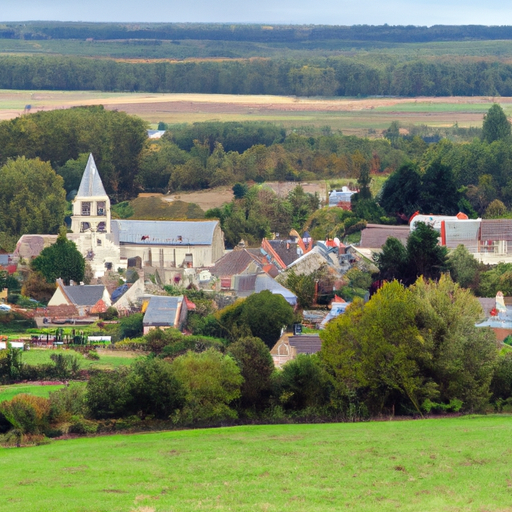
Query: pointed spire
[(91, 184)]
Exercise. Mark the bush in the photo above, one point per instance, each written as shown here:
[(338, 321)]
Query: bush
[(108, 394), (92, 355), (256, 366), (80, 425), (154, 389), (110, 314), (28, 414), (67, 402), (131, 326), (66, 366), (211, 382)]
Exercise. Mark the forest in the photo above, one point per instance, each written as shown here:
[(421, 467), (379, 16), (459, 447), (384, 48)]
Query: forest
[(333, 76), (251, 32)]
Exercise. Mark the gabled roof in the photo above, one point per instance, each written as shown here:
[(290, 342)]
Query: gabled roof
[(286, 250), (84, 295), (91, 184), (149, 232), (306, 343), (162, 310), (374, 236), (235, 262)]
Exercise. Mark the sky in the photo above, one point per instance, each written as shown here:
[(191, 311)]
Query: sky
[(329, 12)]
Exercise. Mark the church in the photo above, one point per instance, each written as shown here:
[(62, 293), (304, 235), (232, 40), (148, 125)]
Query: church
[(108, 243)]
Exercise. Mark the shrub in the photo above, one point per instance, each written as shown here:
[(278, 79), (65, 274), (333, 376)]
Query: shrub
[(66, 366), (131, 326), (108, 394), (27, 413), (154, 389), (256, 366), (67, 402), (211, 382), (92, 355), (80, 425)]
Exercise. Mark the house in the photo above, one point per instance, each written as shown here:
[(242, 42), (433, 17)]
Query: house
[(247, 284), (186, 244), (163, 312), (289, 346), (342, 198), (86, 299), (238, 261), (338, 307), (374, 236)]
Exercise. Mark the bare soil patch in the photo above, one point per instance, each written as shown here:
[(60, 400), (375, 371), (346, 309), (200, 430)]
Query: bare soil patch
[(213, 198)]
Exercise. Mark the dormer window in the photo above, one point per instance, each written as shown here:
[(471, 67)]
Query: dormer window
[(86, 208)]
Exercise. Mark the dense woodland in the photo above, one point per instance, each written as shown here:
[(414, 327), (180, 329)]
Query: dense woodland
[(335, 76), (251, 32)]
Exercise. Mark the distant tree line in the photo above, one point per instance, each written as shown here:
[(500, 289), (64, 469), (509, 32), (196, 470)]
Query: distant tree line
[(252, 32), (336, 76)]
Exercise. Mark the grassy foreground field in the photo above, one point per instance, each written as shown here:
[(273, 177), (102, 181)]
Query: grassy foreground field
[(433, 465), (9, 392)]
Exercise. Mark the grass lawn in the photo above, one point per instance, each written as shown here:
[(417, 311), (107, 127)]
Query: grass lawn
[(432, 465), (8, 392), (107, 359)]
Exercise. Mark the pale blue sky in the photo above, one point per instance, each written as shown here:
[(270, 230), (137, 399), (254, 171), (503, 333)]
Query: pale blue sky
[(332, 12)]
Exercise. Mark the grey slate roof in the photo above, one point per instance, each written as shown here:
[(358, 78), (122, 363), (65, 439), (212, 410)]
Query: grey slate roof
[(235, 262), (162, 310), (84, 295), (286, 250), (306, 343), (91, 184), (496, 229), (170, 232), (374, 236)]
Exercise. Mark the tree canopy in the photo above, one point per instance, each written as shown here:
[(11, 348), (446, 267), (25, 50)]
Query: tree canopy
[(60, 260), (496, 126), (32, 198), (422, 256), (262, 315), (412, 348)]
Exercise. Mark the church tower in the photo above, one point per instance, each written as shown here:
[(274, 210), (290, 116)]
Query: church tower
[(91, 206)]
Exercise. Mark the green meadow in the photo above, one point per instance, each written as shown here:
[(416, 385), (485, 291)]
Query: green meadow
[(107, 359), (424, 465), (9, 392)]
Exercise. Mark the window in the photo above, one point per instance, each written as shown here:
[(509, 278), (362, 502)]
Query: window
[(84, 227), (86, 208), (102, 227), (101, 208), (98, 241), (189, 260)]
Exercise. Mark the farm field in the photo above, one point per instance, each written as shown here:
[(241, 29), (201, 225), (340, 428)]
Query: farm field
[(108, 359), (431, 465), (350, 115), (8, 392), (204, 49)]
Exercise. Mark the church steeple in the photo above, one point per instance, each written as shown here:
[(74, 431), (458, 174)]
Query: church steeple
[(91, 206), (91, 184)]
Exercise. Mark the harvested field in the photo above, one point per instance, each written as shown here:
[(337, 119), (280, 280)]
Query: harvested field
[(215, 197), (351, 115)]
